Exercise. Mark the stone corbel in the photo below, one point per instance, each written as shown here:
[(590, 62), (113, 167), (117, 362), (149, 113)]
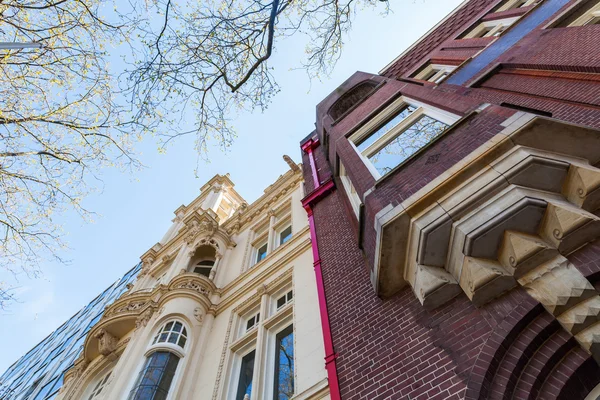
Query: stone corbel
[(107, 343), (144, 318)]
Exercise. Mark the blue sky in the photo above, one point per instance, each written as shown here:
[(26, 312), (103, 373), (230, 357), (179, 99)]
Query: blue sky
[(136, 210)]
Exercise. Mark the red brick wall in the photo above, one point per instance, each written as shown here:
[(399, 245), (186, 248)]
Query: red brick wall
[(393, 348), (449, 29)]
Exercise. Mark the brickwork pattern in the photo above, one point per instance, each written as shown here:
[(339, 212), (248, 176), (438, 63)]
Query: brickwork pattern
[(451, 28)]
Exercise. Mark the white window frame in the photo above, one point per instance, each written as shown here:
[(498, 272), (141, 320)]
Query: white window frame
[(98, 387), (589, 16), (498, 25), (440, 72), (351, 192), (513, 4), (168, 347), (256, 317), (285, 293), (259, 244), (374, 123), (278, 229)]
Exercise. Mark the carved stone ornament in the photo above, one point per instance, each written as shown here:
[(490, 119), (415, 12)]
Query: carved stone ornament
[(262, 289), (107, 343), (131, 306), (147, 263), (198, 314), (193, 285), (293, 166), (195, 228), (143, 319)]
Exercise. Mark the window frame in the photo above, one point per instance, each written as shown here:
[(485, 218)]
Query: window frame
[(379, 120), (156, 347), (514, 4), (145, 365), (156, 344), (351, 192), (98, 385), (440, 72), (279, 336), (588, 16), (495, 28)]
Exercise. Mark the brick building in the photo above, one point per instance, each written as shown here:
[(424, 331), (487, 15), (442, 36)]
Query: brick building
[(453, 201)]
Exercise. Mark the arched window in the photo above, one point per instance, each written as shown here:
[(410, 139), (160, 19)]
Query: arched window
[(203, 260), (172, 332), (156, 376), (204, 267), (351, 98)]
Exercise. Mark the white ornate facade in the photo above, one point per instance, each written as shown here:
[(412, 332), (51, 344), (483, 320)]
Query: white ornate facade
[(224, 307)]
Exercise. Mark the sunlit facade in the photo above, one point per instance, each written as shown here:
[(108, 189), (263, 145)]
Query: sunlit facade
[(222, 307)]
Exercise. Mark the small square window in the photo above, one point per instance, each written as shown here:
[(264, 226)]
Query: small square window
[(285, 235), (261, 253), (252, 322), (285, 299)]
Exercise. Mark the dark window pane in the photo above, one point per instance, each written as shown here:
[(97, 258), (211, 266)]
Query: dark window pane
[(246, 372), (168, 326), (285, 235), (177, 327), (262, 253), (173, 338), (163, 337), (281, 301), (155, 378), (284, 365), (182, 342)]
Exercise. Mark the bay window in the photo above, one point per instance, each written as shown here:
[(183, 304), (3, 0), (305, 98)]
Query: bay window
[(397, 133)]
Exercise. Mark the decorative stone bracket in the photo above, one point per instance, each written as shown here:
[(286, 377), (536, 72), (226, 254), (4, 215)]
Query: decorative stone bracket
[(507, 215)]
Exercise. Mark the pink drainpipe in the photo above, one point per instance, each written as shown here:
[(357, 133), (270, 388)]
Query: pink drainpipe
[(320, 191)]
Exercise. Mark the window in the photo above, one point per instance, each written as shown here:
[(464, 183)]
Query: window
[(408, 129), (252, 322), (350, 191), (285, 299), (244, 389), (434, 73), (491, 28), (275, 372), (512, 4), (587, 14), (172, 332), (204, 267), (261, 253), (285, 235), (99, 386), (156, 376), (284, 365)]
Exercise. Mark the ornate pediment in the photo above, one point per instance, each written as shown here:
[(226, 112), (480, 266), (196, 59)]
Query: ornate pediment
[(200, 223)]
